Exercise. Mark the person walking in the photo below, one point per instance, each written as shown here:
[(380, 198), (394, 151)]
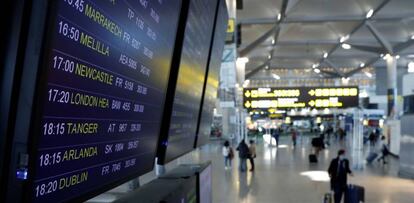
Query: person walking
[(243, 155), (383, 150), (338, 172), (372, 139), (275, 135), (294, 135), (252, 154), (228, 155)]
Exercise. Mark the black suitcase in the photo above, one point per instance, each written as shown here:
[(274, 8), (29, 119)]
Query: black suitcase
[(313, 158), (355, 194), (371, 157)]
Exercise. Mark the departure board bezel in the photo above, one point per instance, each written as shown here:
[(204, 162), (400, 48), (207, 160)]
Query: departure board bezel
[(38, 109)]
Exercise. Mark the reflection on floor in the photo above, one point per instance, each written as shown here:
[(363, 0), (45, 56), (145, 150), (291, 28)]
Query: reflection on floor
[(284, 175)]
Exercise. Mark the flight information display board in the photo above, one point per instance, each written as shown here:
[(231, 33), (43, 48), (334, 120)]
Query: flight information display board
[(212, 83), (190, 82), (300, 97), (101, 95)]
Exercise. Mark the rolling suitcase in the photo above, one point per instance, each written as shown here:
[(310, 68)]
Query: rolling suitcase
[(313, 158), (371, 157), (355, 194)]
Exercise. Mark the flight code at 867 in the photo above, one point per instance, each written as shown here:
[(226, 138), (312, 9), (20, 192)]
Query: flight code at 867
[(85, 128)]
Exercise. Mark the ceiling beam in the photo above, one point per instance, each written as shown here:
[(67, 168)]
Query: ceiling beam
[(380, 38), (308, 19), (255, 70), (336, 68), (361, 42), (377, 50), (258, 41), (401, 46)]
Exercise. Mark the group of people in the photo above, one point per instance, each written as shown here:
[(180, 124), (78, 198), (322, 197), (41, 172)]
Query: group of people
[(245, 152)]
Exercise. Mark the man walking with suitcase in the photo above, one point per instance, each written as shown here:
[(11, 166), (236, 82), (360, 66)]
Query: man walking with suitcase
[(338, 171)]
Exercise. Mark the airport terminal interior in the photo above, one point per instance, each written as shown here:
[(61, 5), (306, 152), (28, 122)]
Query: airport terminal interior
[(207, 101)]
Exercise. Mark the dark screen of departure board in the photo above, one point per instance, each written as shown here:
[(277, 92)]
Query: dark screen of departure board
[(194, 58)]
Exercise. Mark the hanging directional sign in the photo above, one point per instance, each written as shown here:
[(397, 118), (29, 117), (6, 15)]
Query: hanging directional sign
[(301, 97)]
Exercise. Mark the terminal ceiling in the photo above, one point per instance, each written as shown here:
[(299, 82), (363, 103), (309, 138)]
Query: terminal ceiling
[(286, 34)]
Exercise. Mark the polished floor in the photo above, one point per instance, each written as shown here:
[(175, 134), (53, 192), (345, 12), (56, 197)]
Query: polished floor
[(284, 175)]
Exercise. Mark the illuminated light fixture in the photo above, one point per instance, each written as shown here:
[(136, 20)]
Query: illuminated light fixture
[(386, 56), (345, 80), (273, 41), (267, 67), (411, 67), (381, 55), (412, 36), (251, 113), (275, 76), (397, 56), (344, 38), (368, 74), (279, 16), (370, 13), (325, 55), (269, 57), (315, 65), (237, 85), (326, 111), (317, 70), (346, 46), (242, 60), (362, 65)]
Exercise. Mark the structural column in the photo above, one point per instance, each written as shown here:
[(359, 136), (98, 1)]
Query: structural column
[(392, 86)]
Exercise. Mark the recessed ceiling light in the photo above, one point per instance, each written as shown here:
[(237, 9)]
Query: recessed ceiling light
[(277, 77), (269, 57), (344, 38), (317, 70), (362, 65), (381, 55), (346, 46), (325, 55), (267, 67), (397, 56), (370, 13), (273, 41), (315, 65), (368, 74), (412, 36), (279, 16)]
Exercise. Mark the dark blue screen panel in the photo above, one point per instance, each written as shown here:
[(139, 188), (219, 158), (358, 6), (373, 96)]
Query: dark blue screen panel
[(101, 94), (212, 83), (190, 82)]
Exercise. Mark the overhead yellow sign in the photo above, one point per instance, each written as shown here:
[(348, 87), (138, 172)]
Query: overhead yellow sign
[(230, 25), (299, 97)]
